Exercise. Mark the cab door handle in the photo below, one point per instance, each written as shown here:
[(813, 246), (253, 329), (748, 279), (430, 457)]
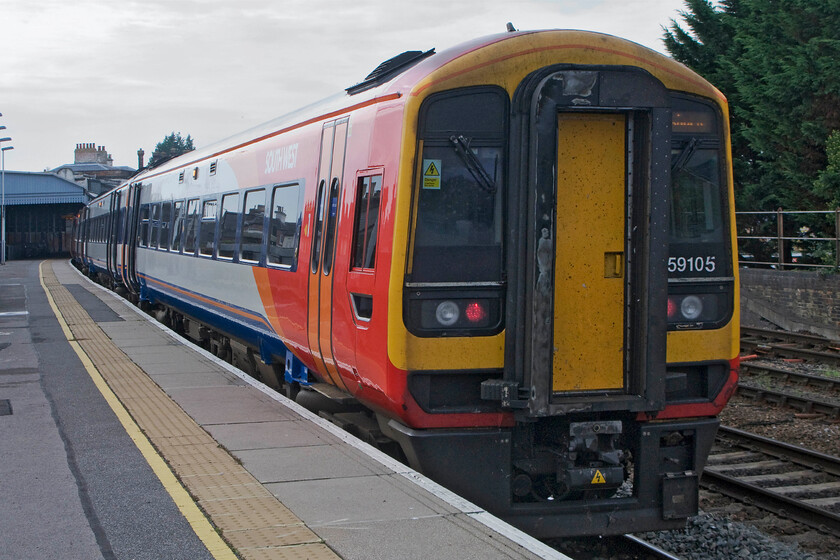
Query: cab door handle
[(614, 264)]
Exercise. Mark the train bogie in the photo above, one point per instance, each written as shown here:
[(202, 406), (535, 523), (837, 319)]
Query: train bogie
[(516, 254)]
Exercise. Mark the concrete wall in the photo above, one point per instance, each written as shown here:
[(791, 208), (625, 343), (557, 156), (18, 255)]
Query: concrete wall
[(792, 300)]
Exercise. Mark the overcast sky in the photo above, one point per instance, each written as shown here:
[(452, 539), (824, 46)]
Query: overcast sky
[(124, 74)]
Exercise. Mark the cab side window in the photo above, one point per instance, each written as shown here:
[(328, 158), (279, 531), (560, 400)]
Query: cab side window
[(368, 194)]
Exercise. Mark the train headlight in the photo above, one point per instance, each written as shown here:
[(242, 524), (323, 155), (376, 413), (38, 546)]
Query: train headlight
[(699, 310), (432, 313), (447, 313), (691, 308)]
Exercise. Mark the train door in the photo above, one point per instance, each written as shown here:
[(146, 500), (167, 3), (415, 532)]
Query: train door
[(83, 235), (129, 244), (592, 332), (589, 318), (362, 275), (327, 213), (112, 260)]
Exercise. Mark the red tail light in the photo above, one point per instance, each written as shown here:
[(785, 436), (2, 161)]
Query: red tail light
[(672, 308), (475, 312)]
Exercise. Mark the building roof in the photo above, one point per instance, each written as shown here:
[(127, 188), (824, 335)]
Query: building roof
[(91, 167), (23, 187)]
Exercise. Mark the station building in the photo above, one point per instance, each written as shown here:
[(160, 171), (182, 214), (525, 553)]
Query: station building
[(93, 168), (40, 208)]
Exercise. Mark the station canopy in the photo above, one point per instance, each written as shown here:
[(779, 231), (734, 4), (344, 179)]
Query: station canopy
[(28, 188)]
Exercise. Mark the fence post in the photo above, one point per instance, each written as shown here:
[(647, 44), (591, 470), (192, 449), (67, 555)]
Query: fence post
[(837, 237), (780, 233)]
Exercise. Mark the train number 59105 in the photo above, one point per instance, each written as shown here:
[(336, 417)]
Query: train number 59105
[(691, 264)]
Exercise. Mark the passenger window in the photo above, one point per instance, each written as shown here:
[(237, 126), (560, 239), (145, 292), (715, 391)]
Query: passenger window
[(191, 227), (284, 226), (207, 229), (368, 193), (230, 219), (154, 220), (143, 232), (165, 217), (319, 222), (332, 222), (253, 222), (177, 225)]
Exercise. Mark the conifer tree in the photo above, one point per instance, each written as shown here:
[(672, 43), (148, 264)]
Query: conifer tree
[(171, 146), (778, 63)]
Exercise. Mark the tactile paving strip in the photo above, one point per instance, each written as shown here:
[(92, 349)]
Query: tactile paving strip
[(249, 517)]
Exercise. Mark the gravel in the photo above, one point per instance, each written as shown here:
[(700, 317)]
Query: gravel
[(712, 537), (726, 529)]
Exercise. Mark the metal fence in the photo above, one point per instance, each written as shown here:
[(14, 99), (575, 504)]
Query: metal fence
[(789, 239)]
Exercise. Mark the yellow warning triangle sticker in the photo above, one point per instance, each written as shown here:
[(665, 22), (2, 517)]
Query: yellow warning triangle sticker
[(598, 478), (432, 170)]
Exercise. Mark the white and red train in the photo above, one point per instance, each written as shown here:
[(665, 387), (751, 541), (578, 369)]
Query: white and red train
[(515, 256)]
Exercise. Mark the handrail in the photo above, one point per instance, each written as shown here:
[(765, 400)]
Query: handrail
[(789, 250)]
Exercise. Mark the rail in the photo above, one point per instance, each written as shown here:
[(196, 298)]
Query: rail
[(748, 476), (789, 239)]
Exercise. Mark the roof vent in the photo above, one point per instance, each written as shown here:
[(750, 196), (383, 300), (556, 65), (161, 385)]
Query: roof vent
[(389, 69), (181, 177), (213, 167)]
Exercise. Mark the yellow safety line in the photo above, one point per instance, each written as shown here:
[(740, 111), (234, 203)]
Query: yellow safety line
[(199, 523)]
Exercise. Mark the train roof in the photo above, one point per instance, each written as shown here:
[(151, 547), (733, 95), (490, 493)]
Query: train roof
[(412, 72)]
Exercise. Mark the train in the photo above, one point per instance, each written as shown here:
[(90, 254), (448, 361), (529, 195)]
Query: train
[(513, 261)]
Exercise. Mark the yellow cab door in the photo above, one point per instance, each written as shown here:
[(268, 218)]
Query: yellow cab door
[(589, 273)]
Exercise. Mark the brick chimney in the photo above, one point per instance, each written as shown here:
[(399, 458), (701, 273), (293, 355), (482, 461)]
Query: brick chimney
[(140, 154), (91, 153)]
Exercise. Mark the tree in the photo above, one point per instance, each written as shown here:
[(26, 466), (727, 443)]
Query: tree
[(778, 63), (171, 146)]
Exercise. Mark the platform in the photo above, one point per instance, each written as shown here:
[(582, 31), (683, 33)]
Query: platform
[(143, 445)]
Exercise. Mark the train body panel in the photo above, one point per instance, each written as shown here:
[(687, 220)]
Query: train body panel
[(518, 254)]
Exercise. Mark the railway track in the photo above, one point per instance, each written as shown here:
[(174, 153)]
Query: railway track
[(625, 547), (794, 397), (647, 550), (830, 385), (785, 479), (790, 345)]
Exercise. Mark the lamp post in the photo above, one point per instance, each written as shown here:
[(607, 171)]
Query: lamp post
[(3, 151)]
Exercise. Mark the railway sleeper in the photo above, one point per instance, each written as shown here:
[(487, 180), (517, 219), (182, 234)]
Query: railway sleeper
[(801, 476), (729, 457), (833, 487), (746, 467)]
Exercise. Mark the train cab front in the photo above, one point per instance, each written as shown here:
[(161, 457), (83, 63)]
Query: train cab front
[(569, 297)]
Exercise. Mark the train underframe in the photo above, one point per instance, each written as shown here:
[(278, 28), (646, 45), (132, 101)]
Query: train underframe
[(569, 476)]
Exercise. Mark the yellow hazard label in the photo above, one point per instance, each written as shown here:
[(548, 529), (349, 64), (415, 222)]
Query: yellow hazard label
[(598, 478), (431, 173)]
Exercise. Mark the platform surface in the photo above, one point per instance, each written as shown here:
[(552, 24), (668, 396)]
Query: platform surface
[(124, 441)]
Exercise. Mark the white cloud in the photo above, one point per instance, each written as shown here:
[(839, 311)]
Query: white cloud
[(125, 74)]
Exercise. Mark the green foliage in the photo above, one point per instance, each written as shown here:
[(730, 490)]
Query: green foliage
[(171, 146), (778, 63), (828, 181)]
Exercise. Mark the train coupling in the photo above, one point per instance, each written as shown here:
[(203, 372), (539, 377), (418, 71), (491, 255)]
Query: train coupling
[(595, 459)]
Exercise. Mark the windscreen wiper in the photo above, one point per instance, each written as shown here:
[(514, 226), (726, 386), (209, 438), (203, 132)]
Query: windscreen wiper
[(685, 154), (472, 163)]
